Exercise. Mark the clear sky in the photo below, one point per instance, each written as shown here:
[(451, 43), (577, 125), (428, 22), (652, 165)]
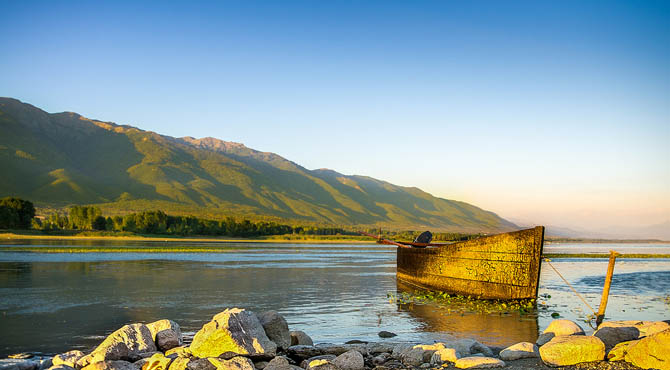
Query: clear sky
[(546, 112)]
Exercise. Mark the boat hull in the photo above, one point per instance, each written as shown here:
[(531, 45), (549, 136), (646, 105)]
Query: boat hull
[(503, 266)]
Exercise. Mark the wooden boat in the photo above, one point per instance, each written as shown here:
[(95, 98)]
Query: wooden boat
[(503, 266)]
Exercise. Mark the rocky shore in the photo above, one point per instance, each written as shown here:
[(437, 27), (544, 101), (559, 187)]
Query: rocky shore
[(238, 339)]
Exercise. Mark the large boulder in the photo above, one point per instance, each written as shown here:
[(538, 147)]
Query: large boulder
[(128, 343), (612, 336), (276, 328), (235, 363), (651, 352), (233, 330), (300, 338), (563, 327), (111, 365), (618, 353), (166, 333), (443, 355), (69, 358), (157, 362), (477, 362), (350, 360), (572, 349), (18, 364), (646, 328), (519, 351), (278, 363)]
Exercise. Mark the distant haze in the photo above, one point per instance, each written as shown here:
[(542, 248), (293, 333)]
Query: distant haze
[(544, 113)]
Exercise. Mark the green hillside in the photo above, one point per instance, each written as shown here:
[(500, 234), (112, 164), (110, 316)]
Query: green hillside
[(62, 159)]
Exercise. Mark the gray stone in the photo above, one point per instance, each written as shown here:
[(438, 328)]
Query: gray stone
[(350, 360), (303, 352), (166, 333), (384, 347), (646, 328), (200, 364), (235, 363), (276, 328), (399, 349), (18, 364), (299, 338), (338, 349), (414, 356), (612, 336), (233, 330), (564, 327), (519, 351), (567, 350), (127, 343), (544, 338), (381, 358), (111, 365), (46, 363), (61, 367), (478, 362), (444, 355), (468, 347), (278, 363), (651, 352), (386, 334), (321, 365)]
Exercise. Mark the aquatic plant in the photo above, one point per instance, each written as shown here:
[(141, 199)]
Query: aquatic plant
[(460, 303)]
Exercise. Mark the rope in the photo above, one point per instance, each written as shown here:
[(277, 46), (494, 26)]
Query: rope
[(573, 289)]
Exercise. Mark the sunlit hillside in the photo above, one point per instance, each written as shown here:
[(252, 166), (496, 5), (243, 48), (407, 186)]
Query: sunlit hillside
[(63, 158)]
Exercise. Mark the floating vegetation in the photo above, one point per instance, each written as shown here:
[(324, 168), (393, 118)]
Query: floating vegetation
[(460, 303)]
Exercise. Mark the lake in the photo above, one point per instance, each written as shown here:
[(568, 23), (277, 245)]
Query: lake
[(53, 302)]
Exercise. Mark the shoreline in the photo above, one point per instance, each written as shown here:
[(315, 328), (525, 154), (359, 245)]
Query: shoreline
[(177, 239)]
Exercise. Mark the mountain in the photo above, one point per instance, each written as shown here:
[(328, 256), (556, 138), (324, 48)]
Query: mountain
[(64, 158)]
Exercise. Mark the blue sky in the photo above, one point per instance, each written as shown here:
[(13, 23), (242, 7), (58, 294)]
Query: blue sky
[(546, 112)]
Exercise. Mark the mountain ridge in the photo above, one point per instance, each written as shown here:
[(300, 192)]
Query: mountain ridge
[(65, 158)]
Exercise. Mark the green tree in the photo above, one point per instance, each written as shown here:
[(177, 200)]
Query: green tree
[(16, 213)]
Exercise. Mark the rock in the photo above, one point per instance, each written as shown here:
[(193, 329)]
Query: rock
[(45, 364), (127, 343), (350, 360), (18, 364), (651, 352), (468, 347), (618, 353), (200, 364), (157, 362), (299, 338), (519, 351), (21, 356), (375, 348), (544, 338), (69, 358), (111, 365), (443, 355), (572, 349), (305, 364), (646, 328), (62, 367), (260, 365), (356, 341), (386, 334), (181, 351), (338, 349), (399, 349), (321, 365), (233, 330), (612, 336), (166, 333), (278, 363), (235, 363), (414, 356), (276, 328), (564, 327), (478, 362), (381, 359), (140, 363), (303, 352), (179, 363)]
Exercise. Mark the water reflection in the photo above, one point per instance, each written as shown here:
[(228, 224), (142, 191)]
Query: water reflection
[(499, 329)]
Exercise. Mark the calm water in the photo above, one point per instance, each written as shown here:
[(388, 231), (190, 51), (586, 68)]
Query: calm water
[(52, 302)]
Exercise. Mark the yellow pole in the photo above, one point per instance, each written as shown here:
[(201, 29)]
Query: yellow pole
[(606, 288)]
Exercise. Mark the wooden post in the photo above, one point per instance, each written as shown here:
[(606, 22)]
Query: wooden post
[(606, 289)]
